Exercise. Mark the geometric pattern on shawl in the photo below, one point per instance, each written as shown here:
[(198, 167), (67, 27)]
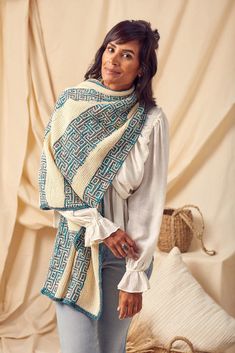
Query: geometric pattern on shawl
[(103, 120), (91, 131)]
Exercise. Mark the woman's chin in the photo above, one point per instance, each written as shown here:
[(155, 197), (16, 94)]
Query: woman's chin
[(110, 83), (109, 80)]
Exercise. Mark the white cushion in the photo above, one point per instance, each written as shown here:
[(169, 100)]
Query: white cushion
[(183, 308)]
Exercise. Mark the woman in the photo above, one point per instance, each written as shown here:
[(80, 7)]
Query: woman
[(103, 171)]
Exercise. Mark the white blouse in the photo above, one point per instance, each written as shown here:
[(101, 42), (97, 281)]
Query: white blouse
[(135, 201)]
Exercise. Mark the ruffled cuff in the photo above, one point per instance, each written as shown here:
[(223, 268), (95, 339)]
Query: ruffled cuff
[(134, 282), (99, 229)]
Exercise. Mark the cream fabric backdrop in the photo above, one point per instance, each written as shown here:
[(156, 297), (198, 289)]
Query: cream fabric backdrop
[(47, 46)]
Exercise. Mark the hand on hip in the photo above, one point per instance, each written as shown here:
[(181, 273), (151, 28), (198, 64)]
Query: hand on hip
[(122, 245)]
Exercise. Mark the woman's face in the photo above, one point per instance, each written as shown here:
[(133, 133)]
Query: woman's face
[(120, 65)]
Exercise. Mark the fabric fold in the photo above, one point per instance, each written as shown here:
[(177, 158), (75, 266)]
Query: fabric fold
[(134, 281), (98, 230), (144, 211), (97, 227)]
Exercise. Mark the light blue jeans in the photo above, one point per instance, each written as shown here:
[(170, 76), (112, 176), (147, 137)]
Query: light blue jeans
[(80, 334)]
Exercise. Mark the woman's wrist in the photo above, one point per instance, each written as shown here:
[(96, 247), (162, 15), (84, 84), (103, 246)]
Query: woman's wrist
[(121, 245)]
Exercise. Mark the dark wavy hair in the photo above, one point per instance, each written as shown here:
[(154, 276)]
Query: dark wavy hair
[(124, 32)]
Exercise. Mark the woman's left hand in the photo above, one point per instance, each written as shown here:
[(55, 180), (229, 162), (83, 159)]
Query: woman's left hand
[(129, 304)]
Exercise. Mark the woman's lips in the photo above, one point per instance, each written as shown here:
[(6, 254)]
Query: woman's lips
[(112, 72)]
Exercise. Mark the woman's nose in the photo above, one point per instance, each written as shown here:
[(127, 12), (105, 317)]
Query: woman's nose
[(114, 60)]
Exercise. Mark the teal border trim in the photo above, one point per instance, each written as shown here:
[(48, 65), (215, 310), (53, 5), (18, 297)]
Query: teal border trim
[(45, 292), (44, 206), (76, 238)]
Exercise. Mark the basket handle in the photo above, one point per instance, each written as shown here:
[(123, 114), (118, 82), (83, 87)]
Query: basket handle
[(197, 233), (180, 338)]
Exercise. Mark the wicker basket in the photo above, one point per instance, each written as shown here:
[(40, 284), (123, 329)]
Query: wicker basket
[(178, 228), (141, 339), (170, 348)]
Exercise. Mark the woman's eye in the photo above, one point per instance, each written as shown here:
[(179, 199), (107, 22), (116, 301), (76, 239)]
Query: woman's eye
[(127, 56), (110, 49)]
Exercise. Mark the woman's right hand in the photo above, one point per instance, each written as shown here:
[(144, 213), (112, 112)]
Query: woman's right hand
[(122, 245)]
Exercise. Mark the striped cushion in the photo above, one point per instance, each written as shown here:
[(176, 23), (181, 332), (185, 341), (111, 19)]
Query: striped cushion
[(183, 308)]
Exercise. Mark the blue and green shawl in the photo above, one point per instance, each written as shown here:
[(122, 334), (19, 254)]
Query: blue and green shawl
[(89, 135)]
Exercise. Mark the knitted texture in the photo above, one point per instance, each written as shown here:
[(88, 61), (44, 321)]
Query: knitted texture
[(90, 133)]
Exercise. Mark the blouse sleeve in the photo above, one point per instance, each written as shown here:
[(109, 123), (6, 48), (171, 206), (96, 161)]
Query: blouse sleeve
[(97, 227), (145, 209)]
